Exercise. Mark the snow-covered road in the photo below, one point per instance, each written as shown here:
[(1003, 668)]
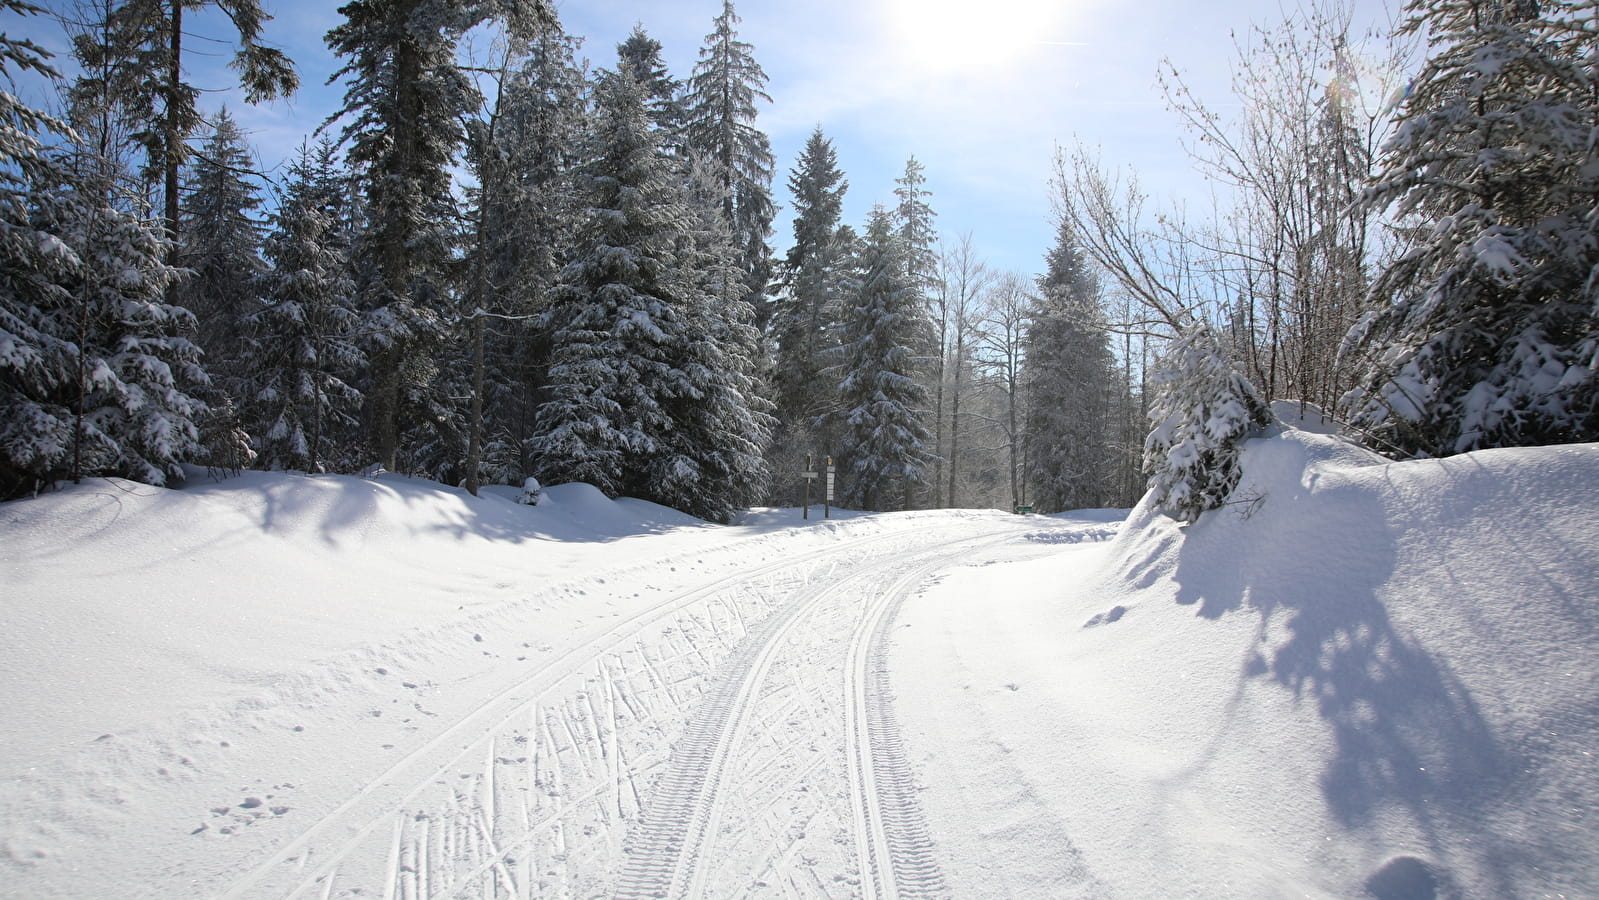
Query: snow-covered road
[(733, 737), (1377, 679)]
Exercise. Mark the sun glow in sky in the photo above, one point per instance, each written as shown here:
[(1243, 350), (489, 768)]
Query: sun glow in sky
[(958, 36)]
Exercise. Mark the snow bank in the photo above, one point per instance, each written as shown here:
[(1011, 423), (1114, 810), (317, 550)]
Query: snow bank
[(1362, 678)]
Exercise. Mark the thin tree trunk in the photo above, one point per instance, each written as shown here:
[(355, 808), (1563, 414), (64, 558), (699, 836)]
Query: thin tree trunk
[(172, 139), (474, 447)]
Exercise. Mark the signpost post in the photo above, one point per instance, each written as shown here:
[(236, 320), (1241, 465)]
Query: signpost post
[(810, 476), (827, 506)]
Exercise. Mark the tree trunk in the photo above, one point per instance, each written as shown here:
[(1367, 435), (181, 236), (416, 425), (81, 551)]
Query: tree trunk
[(474, 446)]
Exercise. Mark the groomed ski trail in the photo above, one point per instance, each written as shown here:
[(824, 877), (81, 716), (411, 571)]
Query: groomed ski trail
[(674, 851)]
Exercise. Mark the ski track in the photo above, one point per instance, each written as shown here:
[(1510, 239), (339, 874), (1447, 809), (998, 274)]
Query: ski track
[(682, 843), (736, 738)]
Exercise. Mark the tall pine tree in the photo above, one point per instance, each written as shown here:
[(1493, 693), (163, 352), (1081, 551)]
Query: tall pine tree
[(720, 126), (1071, 384), (300, 348), (406, 104), (805, 327), (95, 375), (221, 247), (885, 450), (644, 399)]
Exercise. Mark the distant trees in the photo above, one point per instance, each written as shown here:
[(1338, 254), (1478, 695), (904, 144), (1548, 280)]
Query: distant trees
[(1071, 385)]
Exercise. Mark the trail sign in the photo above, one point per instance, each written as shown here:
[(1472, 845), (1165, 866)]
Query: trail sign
[(1023, 510)]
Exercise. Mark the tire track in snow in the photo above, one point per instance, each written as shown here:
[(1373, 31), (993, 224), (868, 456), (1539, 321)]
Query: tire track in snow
[(373, 836)]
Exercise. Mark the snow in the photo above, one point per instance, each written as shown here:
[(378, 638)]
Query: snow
[(1367, 678), (1378, 675)]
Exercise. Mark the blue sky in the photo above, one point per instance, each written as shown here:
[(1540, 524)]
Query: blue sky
[(980, 91)]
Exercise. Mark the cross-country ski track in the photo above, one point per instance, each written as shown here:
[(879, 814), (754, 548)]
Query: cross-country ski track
[(735, 738)]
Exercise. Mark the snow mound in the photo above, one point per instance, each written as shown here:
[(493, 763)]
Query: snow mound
[(1401, 661)]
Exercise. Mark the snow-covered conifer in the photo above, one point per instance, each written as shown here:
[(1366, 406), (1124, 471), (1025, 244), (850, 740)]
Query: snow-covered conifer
[(640, 55), (884, 449), (1069, 379), (1202, 412), (915, 218), (1488, 333), (300, 349), (805, 326), (406, 103), (95, 377), (720, 126), (221, 247)]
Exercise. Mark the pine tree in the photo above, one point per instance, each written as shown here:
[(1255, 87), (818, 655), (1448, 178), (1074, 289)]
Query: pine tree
[(885, 442), (727, 424), (805, 328), (301, 353), (221, 247), (1070, 378), (94, 373), (38, 358), (1489, 332), (614, 318), (640, 54), (143, 57), (650, 394), (523, 154), (1202, 413), (720, 126), (915, 217), (406, 104)]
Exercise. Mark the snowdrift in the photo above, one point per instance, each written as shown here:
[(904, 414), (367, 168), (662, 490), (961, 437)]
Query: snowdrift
[(1362, 678)]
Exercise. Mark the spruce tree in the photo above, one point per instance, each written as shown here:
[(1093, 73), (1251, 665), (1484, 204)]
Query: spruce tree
[(720, 126), (95, 375), (1070, 381), (143, 57), (640, 54), (524, 209), (885, 450), (301, 352), (221, 247), (1488, 332), (616, 319), (406, 102), (805, 327), (915, 217), (38, 357)]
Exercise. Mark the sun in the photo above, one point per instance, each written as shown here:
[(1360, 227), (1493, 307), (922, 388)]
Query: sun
[(954, 36)]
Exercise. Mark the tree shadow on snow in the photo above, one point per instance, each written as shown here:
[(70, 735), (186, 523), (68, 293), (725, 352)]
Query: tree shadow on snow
[(1314, 561)]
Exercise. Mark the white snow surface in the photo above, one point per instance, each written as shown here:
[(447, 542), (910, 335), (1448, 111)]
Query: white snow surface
[(1364, 678)]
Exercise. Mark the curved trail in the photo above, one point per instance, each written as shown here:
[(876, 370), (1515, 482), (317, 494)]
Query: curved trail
[(734, 738), (674, 850), (312, 863)]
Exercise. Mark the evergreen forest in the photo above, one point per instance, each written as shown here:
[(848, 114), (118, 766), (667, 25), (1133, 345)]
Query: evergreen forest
[(510, 264)]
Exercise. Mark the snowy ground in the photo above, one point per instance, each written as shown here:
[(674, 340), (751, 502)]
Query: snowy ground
[(1373, 678)]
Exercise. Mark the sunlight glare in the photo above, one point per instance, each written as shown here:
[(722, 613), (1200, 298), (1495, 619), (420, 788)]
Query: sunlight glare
[(945, 36)]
